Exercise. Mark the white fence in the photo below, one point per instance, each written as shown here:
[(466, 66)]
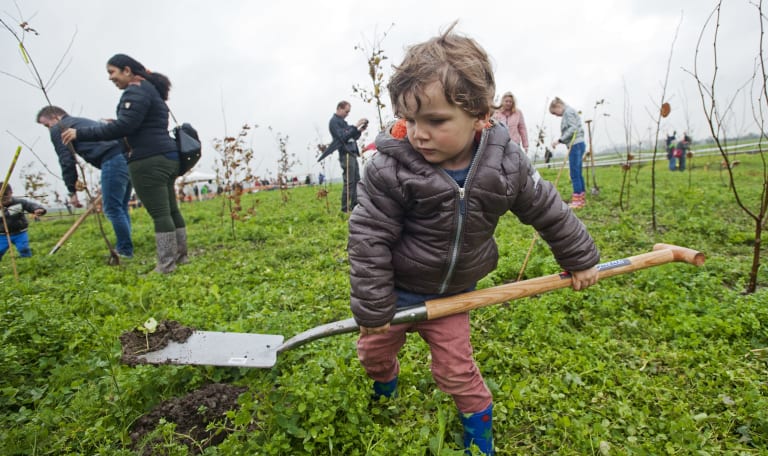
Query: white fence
[(614, 160)]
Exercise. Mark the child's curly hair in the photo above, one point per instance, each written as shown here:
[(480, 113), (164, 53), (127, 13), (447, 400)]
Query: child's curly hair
[(457, 62)]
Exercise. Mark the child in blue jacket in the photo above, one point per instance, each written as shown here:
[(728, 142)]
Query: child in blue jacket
[(13, 212)]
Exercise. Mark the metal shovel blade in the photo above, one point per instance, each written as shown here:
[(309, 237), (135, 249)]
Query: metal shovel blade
[(211, 348)]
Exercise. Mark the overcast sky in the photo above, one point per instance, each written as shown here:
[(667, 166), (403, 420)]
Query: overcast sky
[(286, 64)]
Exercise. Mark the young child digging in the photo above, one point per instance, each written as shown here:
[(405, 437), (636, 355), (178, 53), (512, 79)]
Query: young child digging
[(429, 203), (14, 209)]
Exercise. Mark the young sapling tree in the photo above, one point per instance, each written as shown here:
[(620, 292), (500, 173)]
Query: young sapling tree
[(717, 114), (375, 58), (233, 170)]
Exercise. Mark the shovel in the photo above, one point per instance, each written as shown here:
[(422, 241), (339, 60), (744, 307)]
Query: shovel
[(91, 209), (260, 350)]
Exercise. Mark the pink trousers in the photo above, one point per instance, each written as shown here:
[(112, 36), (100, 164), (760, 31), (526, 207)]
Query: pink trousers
[(453, 367)]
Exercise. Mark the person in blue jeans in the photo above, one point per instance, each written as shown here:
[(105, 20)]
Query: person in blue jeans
[(670, 145), (13, 213), (572, 135), (109, 157), (681, 152), (345, 138)]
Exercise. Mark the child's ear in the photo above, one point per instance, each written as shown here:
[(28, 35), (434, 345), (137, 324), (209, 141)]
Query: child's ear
[(481, 122)]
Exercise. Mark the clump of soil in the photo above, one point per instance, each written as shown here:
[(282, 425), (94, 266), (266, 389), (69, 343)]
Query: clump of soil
[(136, 343), (192, 414)]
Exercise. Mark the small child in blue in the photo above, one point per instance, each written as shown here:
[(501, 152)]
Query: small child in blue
[(16, 221)]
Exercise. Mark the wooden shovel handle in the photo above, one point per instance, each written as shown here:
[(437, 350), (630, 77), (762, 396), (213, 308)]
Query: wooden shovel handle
[(436, 308), (661, 254), (76, 225)]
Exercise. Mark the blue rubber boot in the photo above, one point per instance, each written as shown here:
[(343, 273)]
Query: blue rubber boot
[(388, 389), (478, 430)]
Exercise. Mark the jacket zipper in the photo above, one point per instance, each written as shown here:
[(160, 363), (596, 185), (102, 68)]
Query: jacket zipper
[(454, 252), (456, 237)]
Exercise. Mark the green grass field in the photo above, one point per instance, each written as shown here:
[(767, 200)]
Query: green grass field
[(668, 360)]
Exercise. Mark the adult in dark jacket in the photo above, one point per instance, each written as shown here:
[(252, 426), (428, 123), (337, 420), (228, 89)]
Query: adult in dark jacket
[(108, 156), (153, 159), (345, 141)]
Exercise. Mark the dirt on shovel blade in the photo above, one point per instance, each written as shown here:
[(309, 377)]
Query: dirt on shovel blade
[(136, 343), (191, 414)]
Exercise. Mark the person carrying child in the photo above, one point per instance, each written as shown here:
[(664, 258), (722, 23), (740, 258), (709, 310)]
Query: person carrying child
[(428, 205), (680, 153), (16, 220), (670, 147), (572, 135)]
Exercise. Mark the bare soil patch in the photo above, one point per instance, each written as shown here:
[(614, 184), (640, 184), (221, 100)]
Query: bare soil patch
[(191, 414), (135, 342)]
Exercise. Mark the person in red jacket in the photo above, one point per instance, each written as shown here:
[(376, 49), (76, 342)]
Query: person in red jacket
[(428, 206)]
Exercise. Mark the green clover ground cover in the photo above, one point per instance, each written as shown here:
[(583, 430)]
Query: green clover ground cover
[(668, 360)]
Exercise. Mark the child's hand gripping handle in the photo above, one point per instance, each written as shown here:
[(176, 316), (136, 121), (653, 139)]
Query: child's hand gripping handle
[(661, 254)]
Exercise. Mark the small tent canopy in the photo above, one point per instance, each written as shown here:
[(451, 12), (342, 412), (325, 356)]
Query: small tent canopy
[(197, 176)]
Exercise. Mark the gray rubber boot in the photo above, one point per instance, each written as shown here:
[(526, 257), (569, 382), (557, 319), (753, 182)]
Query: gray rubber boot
[(181, 246), (166, 252)]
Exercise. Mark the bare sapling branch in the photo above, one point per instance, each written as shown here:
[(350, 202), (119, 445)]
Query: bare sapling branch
[(662, 111), (627, 165), (285, 164), (376, 57), (37, 79), (3, 188), (44, 87), (717, 117)]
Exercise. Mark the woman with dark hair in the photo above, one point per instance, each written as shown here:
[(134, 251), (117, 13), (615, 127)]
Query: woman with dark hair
[(153, 158)]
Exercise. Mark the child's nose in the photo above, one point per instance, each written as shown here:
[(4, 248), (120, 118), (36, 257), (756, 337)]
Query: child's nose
[(419, 132)]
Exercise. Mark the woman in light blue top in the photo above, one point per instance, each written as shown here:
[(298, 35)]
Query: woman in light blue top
[(572, 134)]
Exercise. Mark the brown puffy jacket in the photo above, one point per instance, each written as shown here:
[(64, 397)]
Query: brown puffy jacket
[(412, 228)]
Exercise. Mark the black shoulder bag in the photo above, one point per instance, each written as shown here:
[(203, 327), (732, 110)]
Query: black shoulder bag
[(188, 143)]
